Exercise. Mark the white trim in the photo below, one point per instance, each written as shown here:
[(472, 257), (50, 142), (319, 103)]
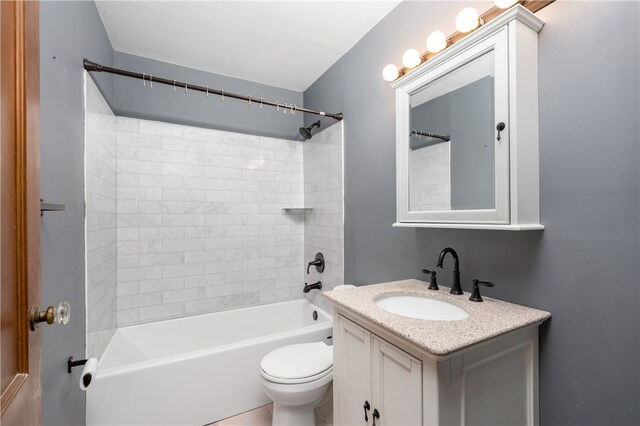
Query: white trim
[(495, 227)]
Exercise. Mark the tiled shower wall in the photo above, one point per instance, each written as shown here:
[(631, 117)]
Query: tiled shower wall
[(183, 220), (100, 194), (200, 226), (323, 193)]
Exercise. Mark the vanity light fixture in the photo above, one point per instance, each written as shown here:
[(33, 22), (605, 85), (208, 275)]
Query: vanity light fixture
[(411, 58), (436, 42), (505, 4), (467, 20), (390, 72)]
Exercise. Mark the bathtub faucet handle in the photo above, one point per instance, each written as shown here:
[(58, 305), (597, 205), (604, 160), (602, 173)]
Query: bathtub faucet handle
[(318, 262)]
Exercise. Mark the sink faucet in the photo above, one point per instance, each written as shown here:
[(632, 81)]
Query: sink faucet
[(455, 288)]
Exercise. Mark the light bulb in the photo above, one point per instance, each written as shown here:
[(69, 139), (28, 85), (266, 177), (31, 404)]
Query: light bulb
[(390, 72), (411, 58), (504, 4), (436, 41), (467, 20)]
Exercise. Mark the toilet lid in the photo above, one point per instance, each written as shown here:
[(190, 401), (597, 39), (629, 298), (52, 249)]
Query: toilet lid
[(298, 361)]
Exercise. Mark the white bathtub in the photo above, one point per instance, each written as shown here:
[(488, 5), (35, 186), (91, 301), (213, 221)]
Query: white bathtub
[(196, 370)]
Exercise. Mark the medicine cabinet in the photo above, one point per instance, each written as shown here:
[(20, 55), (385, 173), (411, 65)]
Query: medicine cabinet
[(467, 131)]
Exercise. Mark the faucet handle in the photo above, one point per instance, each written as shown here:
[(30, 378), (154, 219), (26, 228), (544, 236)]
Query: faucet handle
[(475, 295), (433, 284)]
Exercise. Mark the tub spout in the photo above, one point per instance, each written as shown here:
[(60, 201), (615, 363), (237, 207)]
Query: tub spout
[(315, 286)]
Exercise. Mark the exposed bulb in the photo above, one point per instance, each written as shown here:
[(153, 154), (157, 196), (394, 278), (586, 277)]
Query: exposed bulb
[(467, 20), (390, 72), (411, 58), (436, 42), (504, 4)]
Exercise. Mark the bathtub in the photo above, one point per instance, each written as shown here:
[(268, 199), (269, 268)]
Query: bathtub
[(199, 369)]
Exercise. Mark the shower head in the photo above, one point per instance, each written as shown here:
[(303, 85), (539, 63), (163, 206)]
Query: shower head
[(306, 131)]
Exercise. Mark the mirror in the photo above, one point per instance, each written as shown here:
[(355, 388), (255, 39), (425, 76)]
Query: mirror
[(451, 158)]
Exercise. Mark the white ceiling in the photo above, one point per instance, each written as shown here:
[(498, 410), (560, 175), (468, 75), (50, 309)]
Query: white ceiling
[(286, 44)]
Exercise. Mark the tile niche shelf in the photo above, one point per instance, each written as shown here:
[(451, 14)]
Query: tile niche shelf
[(296, 210)]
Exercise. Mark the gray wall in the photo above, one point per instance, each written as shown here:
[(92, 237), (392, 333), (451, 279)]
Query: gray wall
[(584, 267), (69, 31), (132, 99), (467, 115)]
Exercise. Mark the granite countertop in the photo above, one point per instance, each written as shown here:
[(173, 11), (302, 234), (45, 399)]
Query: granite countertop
[(486, 320)]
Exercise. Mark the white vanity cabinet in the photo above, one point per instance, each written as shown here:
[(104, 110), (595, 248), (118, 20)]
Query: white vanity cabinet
[(373, 371), (490, 383)]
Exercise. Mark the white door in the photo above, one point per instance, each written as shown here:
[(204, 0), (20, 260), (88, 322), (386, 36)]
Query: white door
[(351, 373), (396, 386)]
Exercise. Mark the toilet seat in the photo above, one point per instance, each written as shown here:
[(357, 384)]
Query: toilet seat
[(301, 363), (300, 380)]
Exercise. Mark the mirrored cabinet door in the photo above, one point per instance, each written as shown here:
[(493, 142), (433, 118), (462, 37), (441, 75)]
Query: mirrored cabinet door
[(454, 165)]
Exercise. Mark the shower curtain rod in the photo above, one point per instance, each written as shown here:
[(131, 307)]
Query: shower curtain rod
[(429, 135), (95, 67)]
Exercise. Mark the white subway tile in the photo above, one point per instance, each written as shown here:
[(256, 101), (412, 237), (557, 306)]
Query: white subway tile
[(160, 259), (185, 270), (183, 170), (135, 274), (161, 312), (162, 232), (173, 296), (161, 129), (183, 195), (164, 284), (183, 244), (204, 280), (126, 124), (139, 300)]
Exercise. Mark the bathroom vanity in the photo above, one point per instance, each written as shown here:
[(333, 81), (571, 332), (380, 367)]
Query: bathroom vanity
[(395, 369)]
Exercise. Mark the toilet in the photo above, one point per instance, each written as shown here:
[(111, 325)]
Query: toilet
[(296, 377)]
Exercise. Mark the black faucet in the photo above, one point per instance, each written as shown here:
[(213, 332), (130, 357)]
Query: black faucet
[(315, 286), (318, 262), (475, 295), (455, 288), (433, 282)]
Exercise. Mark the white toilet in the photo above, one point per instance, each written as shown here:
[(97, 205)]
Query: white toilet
[(296, 377)]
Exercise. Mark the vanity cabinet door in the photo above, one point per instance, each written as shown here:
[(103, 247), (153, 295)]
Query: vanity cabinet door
[(396, 385), (352, 373)]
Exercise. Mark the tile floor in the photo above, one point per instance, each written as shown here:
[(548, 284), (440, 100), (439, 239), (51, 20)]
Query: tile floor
[(261, 416)]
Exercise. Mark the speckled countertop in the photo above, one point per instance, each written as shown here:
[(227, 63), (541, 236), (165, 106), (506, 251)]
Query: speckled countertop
[(488, 319)]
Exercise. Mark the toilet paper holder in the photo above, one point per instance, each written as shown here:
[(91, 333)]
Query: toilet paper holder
[(71, 363)]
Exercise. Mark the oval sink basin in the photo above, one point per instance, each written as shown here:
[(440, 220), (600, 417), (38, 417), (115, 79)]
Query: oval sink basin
[(421, 308)]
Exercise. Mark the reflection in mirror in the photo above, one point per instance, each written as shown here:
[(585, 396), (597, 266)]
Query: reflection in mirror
[(451, 145)]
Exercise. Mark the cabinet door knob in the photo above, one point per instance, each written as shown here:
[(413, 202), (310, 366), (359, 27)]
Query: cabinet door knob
[(366, 407), (376, 415), (500, 127)]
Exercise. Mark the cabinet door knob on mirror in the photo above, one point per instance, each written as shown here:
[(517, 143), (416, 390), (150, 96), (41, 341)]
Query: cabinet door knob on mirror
[(53, 314), (500, 127), (433, 283), (366, 407), (475, 294)]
